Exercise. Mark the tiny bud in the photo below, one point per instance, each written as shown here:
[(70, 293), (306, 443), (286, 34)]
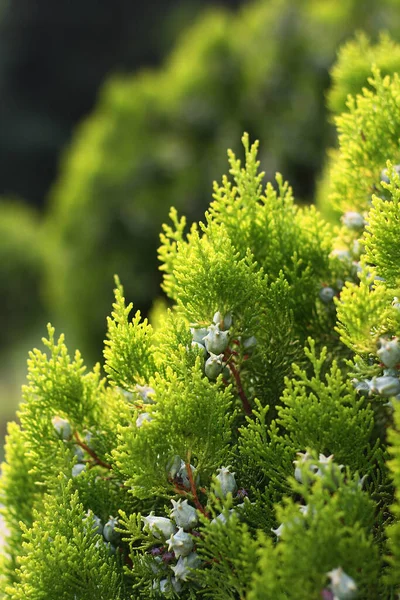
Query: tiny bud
[(353, 220), (161, 585), (396, 303), (386, 386), (127, 395), (142, 418), (111, 548), (357, 249), (181, 543), (342, 586), (213, 366), (324, 461), (327, 294), (159, 526), (304, 509), (156, 565), (250, 343), (227, 480), (389, 352), (177, 586), (225, 322), (109, 533), (145, 392), (362, 387), (278, 531), (198, 334), (385, 173), (62, 428), (216, 341), (226, 373), (88, 438), (184, 566), (79, 453), (200, 348), (182, 476), (173, 466), (97, 525), (219, 519), (78, 469), (184, 515), (304, 458)]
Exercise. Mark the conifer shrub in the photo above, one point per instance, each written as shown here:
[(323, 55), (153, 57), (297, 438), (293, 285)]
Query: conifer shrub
[(159, 138), (247, 447), (227, 454)]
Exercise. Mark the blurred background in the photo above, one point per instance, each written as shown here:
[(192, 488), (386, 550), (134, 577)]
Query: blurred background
[(111, 113)]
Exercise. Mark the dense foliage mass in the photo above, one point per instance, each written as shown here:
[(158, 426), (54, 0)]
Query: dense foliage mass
[(248, 446), (159, 139)]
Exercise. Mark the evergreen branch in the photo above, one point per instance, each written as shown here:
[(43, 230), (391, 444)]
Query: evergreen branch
[(91, 453), (236, 375), (196, 500)]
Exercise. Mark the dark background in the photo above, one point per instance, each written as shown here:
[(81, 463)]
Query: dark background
[(54, 57)]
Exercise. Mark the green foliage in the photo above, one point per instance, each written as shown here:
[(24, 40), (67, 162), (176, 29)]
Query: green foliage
[(191, 418), (381, 238), (258, 257), (59, 387), (239, 449), (128, 349), (21, 270), (352, 70), (336, 529), (322, 412), (19, 491), (158, 139), (368, 316), (327, 404), (368, 129), (231, 551), (394, 529), (368, 137), (265, 231), (64, 541), (365, 313)]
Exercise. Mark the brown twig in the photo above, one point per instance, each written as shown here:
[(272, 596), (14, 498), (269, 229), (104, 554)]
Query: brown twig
[(180, 490), (240, 390), (91, 453), (196, 500)]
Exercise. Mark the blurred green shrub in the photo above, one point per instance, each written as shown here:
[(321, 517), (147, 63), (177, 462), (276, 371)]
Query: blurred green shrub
[(353, 67), (21, 271), (158, 139), (351, 75)]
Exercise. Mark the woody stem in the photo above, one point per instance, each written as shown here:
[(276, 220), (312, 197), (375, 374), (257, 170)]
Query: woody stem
[(91, 453), (196, 500), (239, 387)]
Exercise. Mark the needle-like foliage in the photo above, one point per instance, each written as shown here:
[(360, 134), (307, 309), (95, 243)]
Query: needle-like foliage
[(239, 449)]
